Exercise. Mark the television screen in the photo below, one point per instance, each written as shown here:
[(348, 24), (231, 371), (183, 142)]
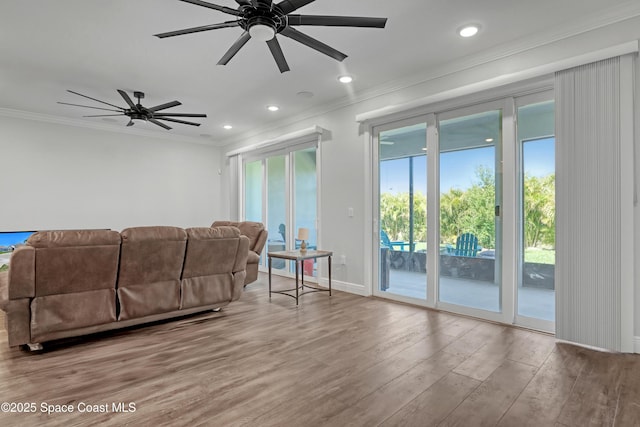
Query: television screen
[(8, 242)]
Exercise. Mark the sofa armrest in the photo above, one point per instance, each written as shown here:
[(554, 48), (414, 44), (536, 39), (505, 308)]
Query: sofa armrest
[(22, 273), (242, 255), (260, 242)]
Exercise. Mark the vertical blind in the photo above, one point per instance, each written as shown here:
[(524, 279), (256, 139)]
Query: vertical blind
[(589, 200)]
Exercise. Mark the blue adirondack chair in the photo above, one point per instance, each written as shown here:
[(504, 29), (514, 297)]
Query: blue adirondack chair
[(386, 242), (466, 245)]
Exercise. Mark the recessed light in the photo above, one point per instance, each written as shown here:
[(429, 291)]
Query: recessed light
[(305, 94), (205, 135), (424, 148), (345, 79), (273, 108), (228, 127), (489, 140), (468, 30)]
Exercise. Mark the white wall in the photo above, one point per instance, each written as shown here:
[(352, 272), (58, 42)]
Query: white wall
[(56, 176), (345, 156)]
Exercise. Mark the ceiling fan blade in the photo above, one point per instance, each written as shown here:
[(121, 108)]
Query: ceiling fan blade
[(313, 43), (178, 121), (164, 106), (288, 6), (93, 99), (213, 6), (162, 125), (276, 51), (105, 115), (88, 106), (337, 21), (198, 29), (267, 3), (127, 99), (244, 38), (161, 115)]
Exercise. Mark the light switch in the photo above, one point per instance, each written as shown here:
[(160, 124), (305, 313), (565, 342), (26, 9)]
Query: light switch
[(350, 212)]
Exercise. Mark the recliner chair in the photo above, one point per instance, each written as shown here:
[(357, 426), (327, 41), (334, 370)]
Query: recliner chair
[(257, 235)]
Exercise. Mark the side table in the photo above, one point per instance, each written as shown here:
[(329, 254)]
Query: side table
[(299, 257)]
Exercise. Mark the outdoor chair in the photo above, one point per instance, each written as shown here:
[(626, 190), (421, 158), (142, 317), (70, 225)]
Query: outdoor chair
[(466, 245), (397, 260), (386, 242)]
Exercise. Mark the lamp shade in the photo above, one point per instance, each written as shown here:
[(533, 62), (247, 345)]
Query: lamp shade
[(303, 234)]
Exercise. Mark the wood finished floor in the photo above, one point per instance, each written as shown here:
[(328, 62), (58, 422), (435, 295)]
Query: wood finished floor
[(339, 361)]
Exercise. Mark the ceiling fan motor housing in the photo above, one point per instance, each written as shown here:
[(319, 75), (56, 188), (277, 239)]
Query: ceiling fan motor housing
[(272, 18)]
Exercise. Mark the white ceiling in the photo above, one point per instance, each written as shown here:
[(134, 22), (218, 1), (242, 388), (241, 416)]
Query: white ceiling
[(97, 46)]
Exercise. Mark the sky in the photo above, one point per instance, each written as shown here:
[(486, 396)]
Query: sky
[(457, 168)]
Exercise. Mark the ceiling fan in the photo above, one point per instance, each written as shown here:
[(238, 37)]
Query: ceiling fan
[(138, 112), (262, 20)]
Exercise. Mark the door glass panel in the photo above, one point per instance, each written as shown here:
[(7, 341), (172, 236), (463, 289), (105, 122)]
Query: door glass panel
[(536, 287), (276, 207), (403, 211), (469, 197), (305, 201), (253, 191)]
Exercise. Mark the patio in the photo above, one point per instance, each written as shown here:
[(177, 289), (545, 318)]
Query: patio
[(532, 302)]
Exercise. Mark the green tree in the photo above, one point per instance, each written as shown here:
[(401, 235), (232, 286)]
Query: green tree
[(540, 211), (395, 216), (479, 216), (473, 211), (452, 204)]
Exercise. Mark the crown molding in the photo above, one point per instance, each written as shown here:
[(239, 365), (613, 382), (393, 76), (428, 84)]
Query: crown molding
[(531, 74), (623, 12), (129, 130), (291, 138)]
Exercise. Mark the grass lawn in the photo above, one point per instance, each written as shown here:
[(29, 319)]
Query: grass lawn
[(541, 256)]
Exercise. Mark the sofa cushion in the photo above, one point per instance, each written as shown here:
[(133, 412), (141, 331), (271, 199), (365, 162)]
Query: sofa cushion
[(72, 261), (73, 238), (207, 277), (211, 251), (150, 269), (151, 254), (53, 313)]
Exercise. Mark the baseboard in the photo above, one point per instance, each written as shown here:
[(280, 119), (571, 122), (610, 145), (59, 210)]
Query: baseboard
[(352, 288), (636, 346)]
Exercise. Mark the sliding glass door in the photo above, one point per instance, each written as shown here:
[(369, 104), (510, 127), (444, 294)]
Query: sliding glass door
[(470, 200), (402, 202), (276, 206), (464, 210), (280, 190), (536, 278)]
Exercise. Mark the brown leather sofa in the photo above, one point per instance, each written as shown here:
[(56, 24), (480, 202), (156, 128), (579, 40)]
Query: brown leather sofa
[(70, 283), (257, 235)]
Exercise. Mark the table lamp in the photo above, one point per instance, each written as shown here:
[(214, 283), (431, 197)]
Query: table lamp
[(303, 234)]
